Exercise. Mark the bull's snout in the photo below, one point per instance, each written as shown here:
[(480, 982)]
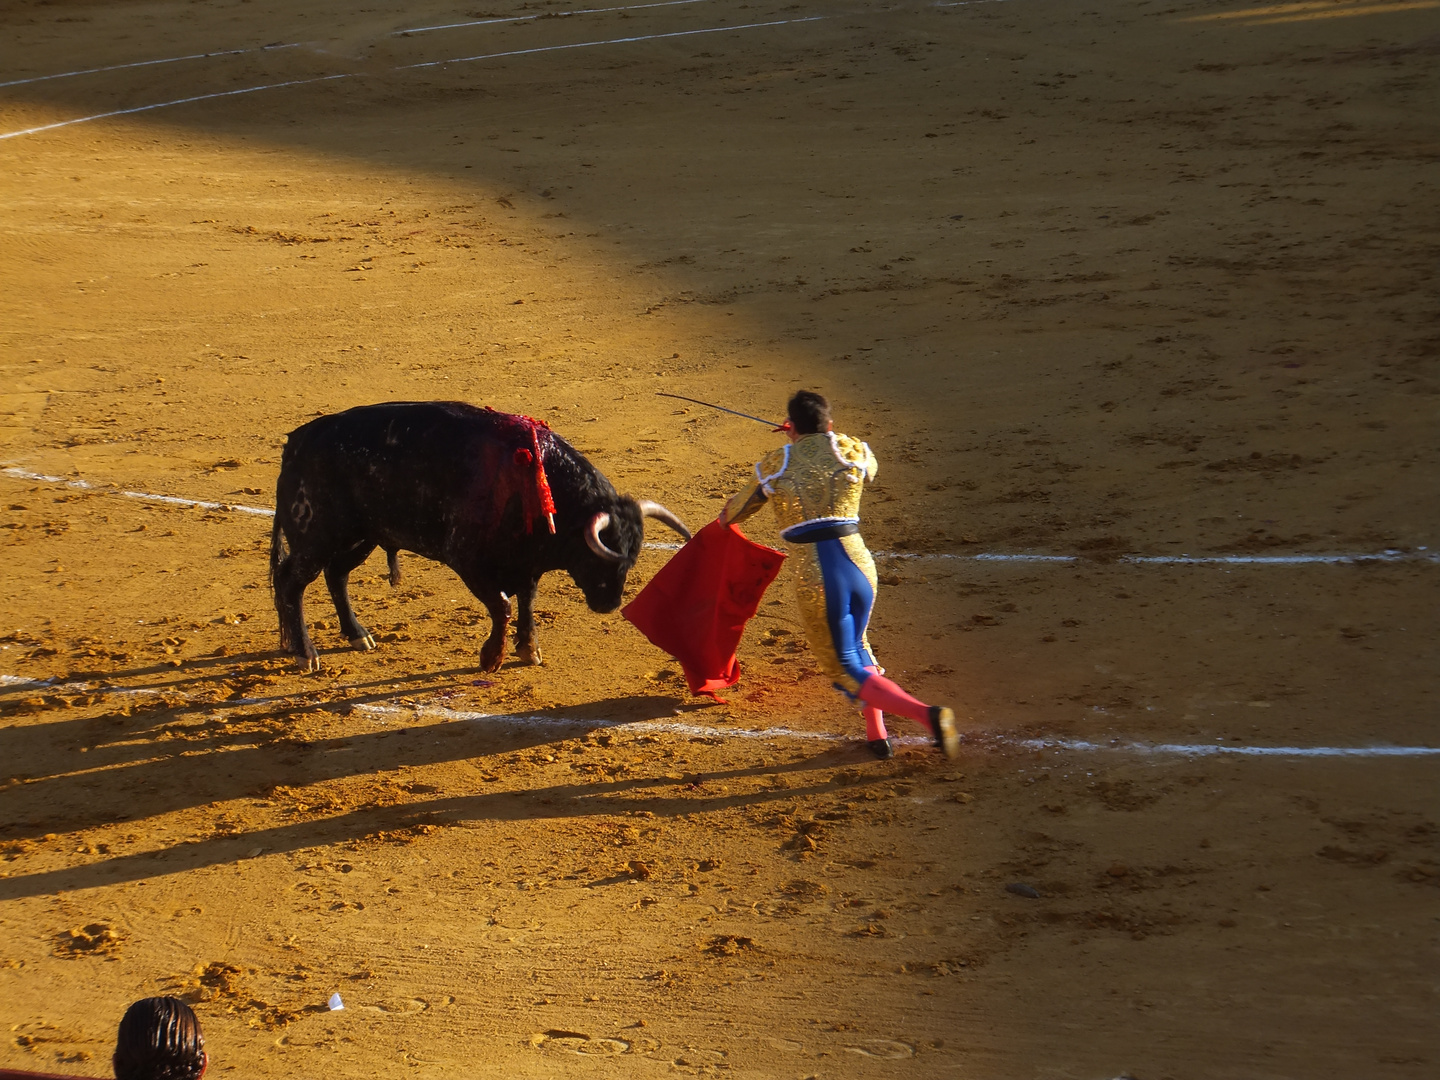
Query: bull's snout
[(606, 598)]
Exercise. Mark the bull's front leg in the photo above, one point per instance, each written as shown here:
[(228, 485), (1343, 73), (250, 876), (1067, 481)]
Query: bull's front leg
[(492, 653), (527, 650)]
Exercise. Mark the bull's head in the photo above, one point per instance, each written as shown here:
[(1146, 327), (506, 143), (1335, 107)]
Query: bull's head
[(614, 538)]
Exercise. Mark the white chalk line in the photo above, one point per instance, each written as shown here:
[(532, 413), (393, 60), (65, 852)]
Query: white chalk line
[(55, 685), (172, 500), (396, 33), (177, 101), (543, 15), (147, 63), (1391, 555), (675, 727), (667, 726), (19, 680), (1217, 749), (404, 67), (707, 731), (612, 41)]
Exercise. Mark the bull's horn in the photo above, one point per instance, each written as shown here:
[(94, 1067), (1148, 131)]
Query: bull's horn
[(659, 513), (595, 544)]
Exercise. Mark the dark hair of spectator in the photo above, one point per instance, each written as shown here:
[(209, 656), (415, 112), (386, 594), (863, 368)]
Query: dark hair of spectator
[(809, 413), (159, 1039)]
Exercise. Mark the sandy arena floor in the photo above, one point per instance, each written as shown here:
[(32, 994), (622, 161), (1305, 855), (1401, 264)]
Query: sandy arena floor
[(1114, 282)]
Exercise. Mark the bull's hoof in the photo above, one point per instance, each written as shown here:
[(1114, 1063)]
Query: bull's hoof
[(528, 655), (491, 659), (364, 644), (308, 664)]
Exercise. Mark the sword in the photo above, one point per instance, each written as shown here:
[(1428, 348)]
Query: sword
[(758, 419)]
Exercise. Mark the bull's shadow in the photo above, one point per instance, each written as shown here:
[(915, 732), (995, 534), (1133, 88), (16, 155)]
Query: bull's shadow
[(115, 737), (198, 674), (189, 672), (118, 735), (601, 798), (123, 775)]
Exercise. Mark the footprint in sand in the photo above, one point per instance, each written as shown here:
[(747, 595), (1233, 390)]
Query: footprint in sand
[(790, 1046), (883, 1048), (578, 1042), (397, 1006), (592, 1047)]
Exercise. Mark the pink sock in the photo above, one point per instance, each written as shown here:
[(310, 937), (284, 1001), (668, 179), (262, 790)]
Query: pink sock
[(874, 718), (881, 693), (874, 723)]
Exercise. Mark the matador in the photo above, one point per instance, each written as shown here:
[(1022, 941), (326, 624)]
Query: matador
[(814, 484)]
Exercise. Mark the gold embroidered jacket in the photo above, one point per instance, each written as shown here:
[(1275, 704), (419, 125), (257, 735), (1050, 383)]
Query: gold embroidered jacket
[(817, 478)]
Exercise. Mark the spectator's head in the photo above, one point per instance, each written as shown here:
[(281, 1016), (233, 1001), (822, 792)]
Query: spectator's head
[(160, 1040), (809, 413)]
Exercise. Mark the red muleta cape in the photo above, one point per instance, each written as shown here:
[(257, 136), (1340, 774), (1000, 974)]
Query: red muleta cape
[(697, 606)]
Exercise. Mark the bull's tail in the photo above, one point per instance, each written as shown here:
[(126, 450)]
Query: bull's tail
[(277, 543), (277, 552), (393, 557)]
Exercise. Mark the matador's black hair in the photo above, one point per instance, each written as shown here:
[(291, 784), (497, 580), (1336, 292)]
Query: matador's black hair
[(809, 412)]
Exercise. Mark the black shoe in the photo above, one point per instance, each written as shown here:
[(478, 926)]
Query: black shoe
[(883, 749), (942, 726)]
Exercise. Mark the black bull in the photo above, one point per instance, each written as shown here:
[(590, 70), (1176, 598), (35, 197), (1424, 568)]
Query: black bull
[(455, 484)]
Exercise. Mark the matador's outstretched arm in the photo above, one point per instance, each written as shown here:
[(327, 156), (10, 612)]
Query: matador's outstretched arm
[(744, 502)]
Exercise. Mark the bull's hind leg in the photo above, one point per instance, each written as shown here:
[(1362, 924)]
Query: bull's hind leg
[(337, 578), (292, 575)]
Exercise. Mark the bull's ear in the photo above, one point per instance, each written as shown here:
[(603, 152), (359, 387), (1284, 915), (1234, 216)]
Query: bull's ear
[(654, 510)]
